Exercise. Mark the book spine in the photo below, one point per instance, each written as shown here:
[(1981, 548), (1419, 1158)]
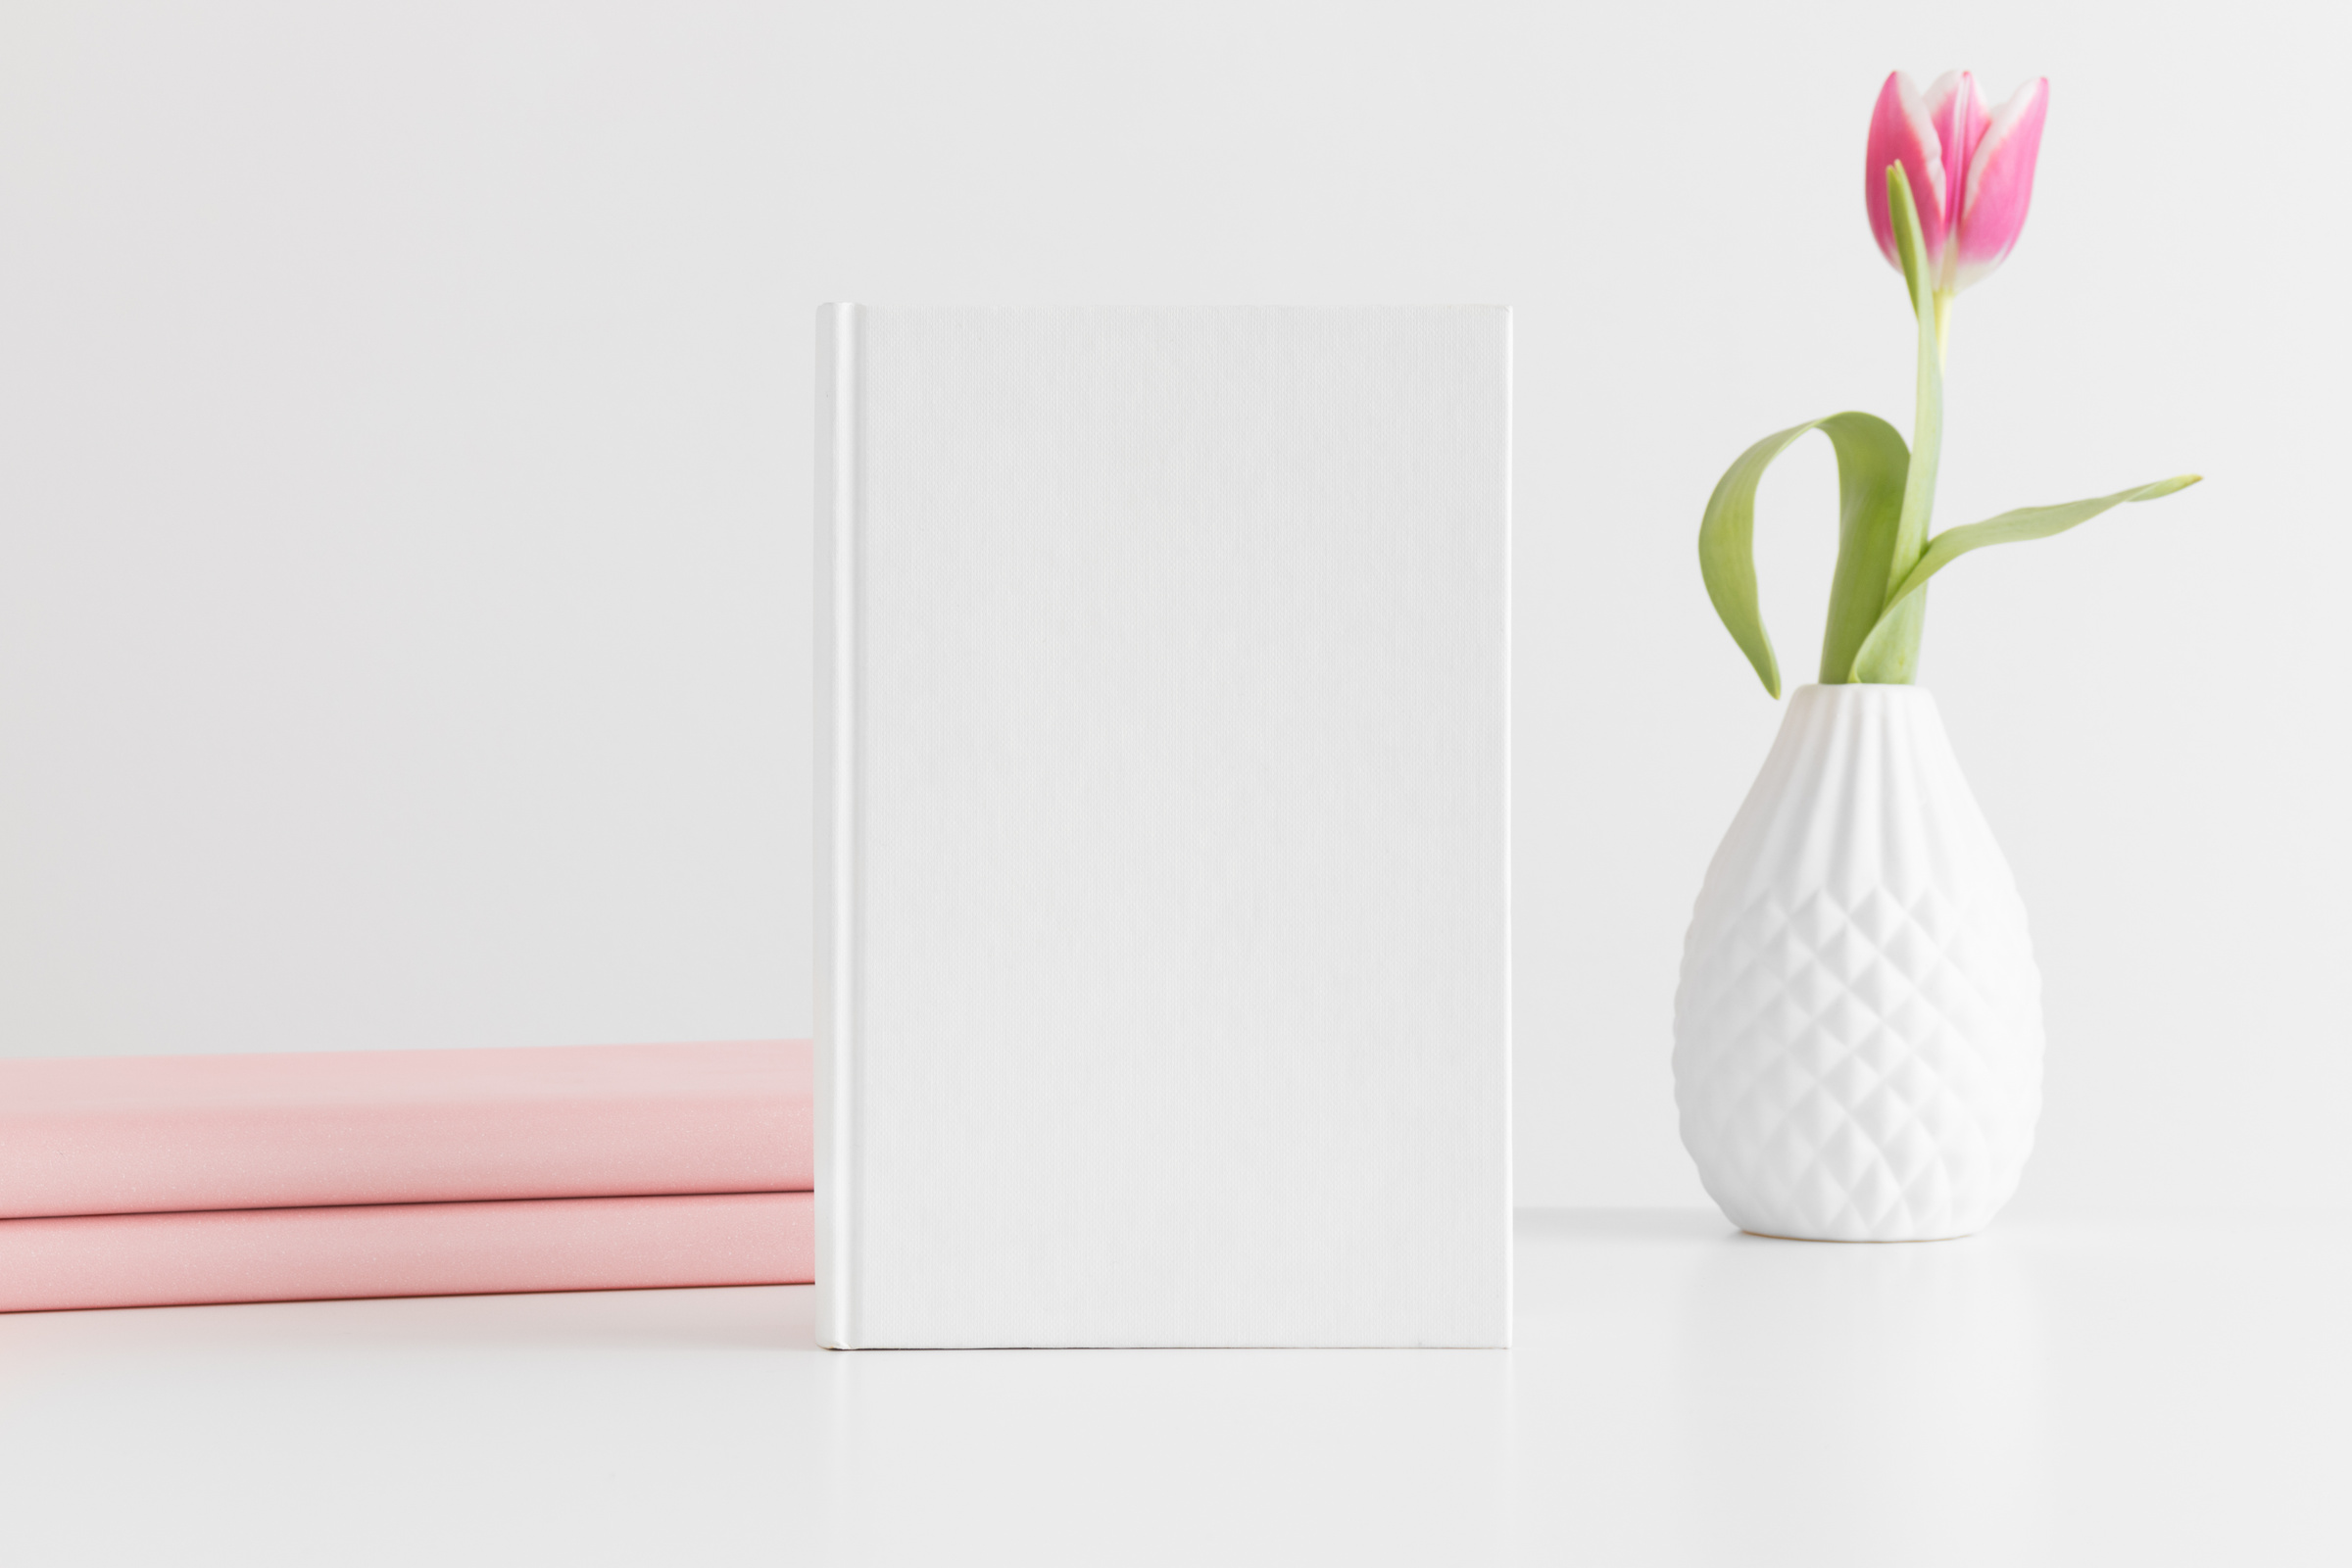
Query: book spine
[(351, 1251), (837, 783), (1507, 1131), (127, 1135)]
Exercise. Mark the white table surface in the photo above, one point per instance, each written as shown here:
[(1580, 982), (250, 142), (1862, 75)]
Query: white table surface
[(2057, 1390)]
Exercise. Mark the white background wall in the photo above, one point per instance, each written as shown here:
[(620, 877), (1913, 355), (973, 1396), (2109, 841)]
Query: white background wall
[(403, 475)]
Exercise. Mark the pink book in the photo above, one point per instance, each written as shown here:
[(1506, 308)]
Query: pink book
[(296, 1254), (128, 1134)]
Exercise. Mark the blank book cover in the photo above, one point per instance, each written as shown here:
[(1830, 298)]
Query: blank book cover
[(1164, 983)]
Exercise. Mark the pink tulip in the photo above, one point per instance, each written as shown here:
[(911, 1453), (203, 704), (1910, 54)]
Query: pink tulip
[(1971, 173)]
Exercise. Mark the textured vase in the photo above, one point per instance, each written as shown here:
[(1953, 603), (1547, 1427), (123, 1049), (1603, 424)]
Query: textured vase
[(1857, 1035)]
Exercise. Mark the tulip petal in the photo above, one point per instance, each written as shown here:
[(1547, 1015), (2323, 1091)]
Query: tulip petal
[(2000, 183), (1902, 132), (1956, 107)]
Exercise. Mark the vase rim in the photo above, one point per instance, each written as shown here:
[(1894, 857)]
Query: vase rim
[(1857, 686)]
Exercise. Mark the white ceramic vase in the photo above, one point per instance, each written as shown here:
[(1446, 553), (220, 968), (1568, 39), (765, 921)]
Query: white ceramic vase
[(1857, 1035)]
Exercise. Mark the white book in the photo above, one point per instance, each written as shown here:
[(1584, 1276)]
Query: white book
[(1163, 966)]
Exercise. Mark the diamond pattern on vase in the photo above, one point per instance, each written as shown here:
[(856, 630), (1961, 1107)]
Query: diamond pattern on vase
[(1857, 1033)]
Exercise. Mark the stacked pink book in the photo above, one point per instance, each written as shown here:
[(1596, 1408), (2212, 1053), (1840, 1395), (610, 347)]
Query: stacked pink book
[(155, 1181)]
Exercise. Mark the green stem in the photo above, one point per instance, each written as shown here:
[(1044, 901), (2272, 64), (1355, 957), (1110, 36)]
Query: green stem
[(1893, 658)]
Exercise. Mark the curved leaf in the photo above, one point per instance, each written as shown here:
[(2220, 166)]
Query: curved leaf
[(1872, 464), (2027, 522)]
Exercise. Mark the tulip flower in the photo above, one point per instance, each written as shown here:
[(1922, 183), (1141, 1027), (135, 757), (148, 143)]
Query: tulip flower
[(1947, 184), (1971, 173)]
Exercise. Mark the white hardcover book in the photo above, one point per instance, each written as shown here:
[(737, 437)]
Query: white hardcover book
[(1163, 968)]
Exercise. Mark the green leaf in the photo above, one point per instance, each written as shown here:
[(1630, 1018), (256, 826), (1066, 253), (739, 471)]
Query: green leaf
[(1872, 462), (2027, 522), (1894, 659), (1910, 240)]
